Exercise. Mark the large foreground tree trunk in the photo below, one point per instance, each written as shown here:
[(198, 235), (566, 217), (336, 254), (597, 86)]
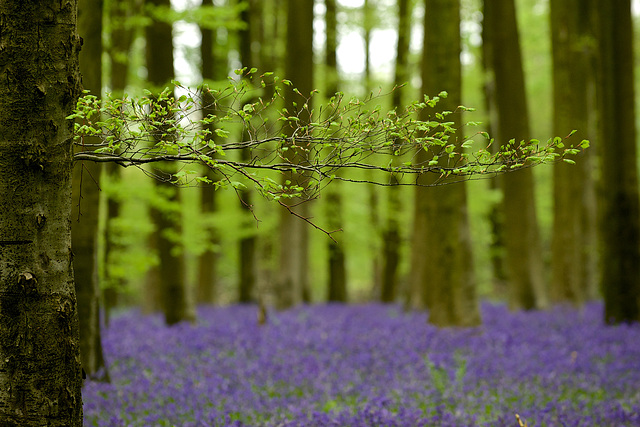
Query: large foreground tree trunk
[(619, 208), (442, 269), (40, 369)]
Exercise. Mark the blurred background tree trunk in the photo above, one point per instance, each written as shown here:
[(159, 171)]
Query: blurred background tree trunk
[(618, 205), (368, 16), (121, 37), (442, 266), (496, 214), (292, 285), (166, 210), (391, 237), (523, 259), (573, 101), (86, 201), (337, 286), (249, 58), (213, 68)]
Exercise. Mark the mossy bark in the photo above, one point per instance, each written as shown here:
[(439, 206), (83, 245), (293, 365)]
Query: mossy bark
[(40, 372)]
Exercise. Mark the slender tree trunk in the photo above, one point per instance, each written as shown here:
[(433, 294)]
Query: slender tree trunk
[(167, 218), (120, 36), (41, 376), (337, 286), (391, 237), (496, 214), (86, 200), (208, 260), (618, 203), (293, 277), (521, 235), (573, 90), (442, 267), (368, 10), (248, 246)]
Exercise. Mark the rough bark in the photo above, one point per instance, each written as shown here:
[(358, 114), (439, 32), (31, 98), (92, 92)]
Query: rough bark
[(521, 235), (292, 285), (573, 101), (40, 368), (619, 209), (442, 265)]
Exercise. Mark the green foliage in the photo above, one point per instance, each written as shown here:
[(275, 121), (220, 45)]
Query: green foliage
[(343, 133)]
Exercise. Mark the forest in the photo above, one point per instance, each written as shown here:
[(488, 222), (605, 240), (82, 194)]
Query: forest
[(319, 213)]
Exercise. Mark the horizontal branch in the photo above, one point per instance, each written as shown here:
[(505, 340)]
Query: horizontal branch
[(468, 169), (310, 146)]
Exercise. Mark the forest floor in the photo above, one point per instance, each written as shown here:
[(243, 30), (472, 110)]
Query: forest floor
[(368, 365)]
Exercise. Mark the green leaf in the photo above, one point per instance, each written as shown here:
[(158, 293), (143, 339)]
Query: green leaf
[(222, 133)]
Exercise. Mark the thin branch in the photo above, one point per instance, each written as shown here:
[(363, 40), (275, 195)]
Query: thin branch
[(343, 134)]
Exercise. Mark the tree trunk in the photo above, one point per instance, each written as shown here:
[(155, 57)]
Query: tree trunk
[(496, 214), (368, 11), (573, 92), (391, 237), (86, 200), (248, 246), (120, 37), (521, 235), (39, 339), (208, 260), (442, 267), (292, 285), (618, 202), (337, 286), (167, 218)]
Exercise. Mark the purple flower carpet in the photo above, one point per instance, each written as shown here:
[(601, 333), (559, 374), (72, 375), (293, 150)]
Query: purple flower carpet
[(368, 365)]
